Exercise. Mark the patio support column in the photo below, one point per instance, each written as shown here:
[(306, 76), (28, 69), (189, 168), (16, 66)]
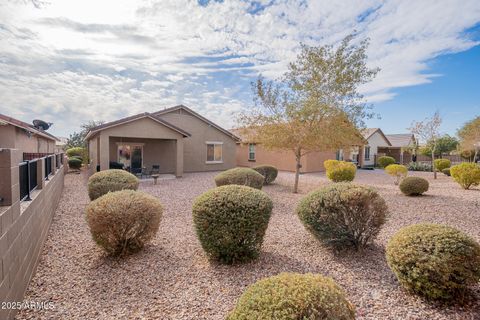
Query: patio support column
[(361, 156), (179, 162), (104, 152)]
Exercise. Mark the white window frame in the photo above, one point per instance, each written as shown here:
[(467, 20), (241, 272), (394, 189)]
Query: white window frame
[(369, 152), (254, 152), (215, 144)]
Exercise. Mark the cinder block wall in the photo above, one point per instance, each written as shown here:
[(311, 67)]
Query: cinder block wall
[(23, 225)]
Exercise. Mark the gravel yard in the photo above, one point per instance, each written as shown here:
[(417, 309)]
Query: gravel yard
[(172, 279)]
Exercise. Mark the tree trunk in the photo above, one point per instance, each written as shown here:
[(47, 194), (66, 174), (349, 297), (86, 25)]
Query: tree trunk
[(298, 158), (433, 162)]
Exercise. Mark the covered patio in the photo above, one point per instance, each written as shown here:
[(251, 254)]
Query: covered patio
[(143, 146)]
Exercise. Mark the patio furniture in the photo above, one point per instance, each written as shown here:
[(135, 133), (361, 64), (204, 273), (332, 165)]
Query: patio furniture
[(155, 169), (155, 177), (139, 172)]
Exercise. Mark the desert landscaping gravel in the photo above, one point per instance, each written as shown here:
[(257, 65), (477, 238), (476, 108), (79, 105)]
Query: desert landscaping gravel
[(172, 278)]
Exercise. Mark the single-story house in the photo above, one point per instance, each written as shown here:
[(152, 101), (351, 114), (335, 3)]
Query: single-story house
[(173, 140), (251, 154), (16, 134), (400, 148), (375, 138)]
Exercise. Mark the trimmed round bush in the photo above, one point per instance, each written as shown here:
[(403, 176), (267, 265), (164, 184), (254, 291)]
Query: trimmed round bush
[(76, 151), (466, 174), (230, 222), (435, 261), (240, 176), (111, 180), (74, 163), (397, 171), (330, 164), (269, 172), (385, 161), (446, 171), (414, 186), (343, 215), (290, 296), (441, 164), (342, 172), (122, 222)]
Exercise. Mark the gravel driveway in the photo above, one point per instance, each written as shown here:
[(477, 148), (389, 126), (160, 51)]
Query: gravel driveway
[(172, 279)]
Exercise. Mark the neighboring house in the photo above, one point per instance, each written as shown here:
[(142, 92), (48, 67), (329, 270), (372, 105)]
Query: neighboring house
[(16, 134), (375, 141), (175, 139), (251, 154), (60, 144), (400, 147)]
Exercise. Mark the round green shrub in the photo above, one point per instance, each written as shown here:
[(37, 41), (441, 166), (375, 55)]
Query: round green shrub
[(330, 164), (385, 161), (230, 222), (122, 222), (435, 261), (111, 180), (342, 172), (414, 186), (74, 163), (269, 172), (466, 174), (76, 151), (290, 296), (77, 157), (441, 164), (240, 176), (397, 171), (446, 171), (343, 215)]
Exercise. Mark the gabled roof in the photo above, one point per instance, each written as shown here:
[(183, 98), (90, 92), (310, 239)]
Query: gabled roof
[(195, 114), (401, 139), (133, 118), (27, 127), (368, 132)]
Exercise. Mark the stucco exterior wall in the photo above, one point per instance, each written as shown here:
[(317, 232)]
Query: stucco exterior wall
[(374, 141), (195, 148), (16, 138), (282, 160)]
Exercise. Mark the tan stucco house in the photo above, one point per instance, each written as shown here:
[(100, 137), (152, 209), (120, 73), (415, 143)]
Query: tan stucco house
[(174, 140), (16, 134)]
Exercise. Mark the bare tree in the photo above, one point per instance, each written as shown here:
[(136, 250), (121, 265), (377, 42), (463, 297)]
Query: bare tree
[(428, 132)]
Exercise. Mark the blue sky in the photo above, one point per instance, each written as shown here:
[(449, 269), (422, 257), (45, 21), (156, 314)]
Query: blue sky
[(69, 61)]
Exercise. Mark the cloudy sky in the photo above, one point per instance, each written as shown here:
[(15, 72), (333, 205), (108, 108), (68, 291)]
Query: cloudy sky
[(70, 61)]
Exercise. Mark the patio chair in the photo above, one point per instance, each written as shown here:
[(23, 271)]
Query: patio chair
[(139, 172), (155, 169)]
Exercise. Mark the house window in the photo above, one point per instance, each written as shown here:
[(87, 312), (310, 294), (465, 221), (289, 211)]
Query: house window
[(214, 152), (339, 155), (251, 152), (367, 153)]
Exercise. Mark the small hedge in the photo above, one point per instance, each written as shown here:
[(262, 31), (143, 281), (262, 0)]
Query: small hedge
[(74, 163), (269, 172), (342, 172), (111, 180), (290, 296), (76, 151), (466, 174), (446, 171), (435, 261), (414, 186), (397, 171), (343, 215), (385, 161), (441, 164), (122, 222), (230, 222), (240, 176), (330, 164)]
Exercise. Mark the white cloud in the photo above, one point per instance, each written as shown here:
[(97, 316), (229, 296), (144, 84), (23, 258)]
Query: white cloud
[(77, 60)]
